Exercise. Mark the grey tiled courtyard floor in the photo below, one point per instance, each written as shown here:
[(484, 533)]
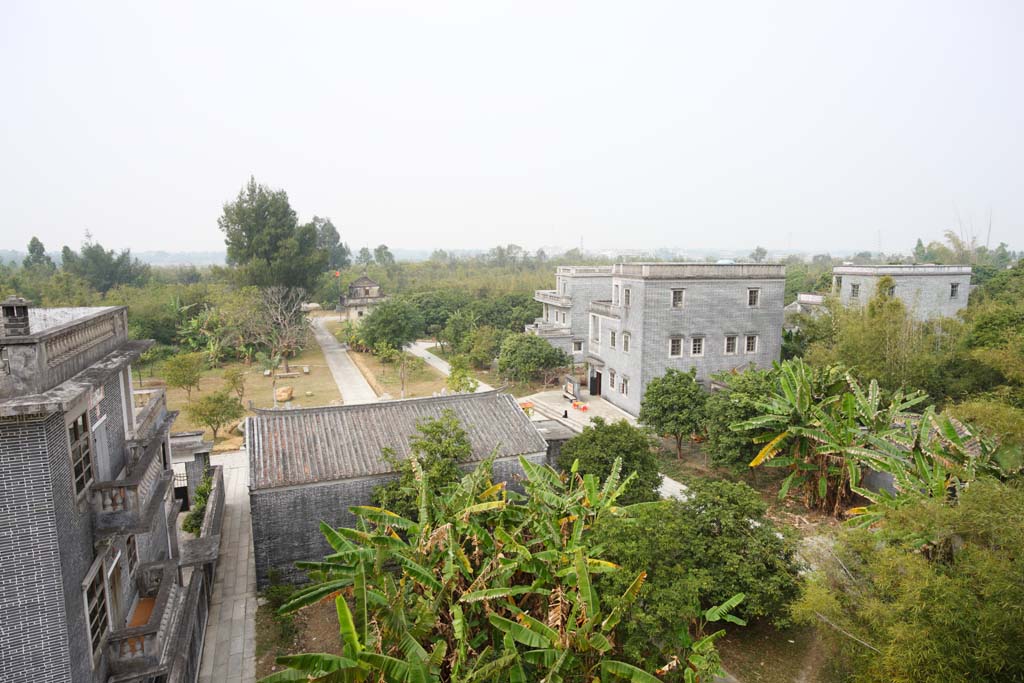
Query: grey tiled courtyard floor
[(228, 651)]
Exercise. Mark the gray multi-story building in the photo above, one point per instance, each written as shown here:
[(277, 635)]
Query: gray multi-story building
[(928, 291), (649, 317), (565, 320), (93, 587)]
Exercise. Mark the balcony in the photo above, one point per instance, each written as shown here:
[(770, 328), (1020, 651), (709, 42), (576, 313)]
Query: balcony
[(605, 308), (546, 328), (130, 505), (552, 297), (140, 648)]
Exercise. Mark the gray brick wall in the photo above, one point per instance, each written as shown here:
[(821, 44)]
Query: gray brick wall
[(286, 521), (925, 296), (32, 626), (712, 310)]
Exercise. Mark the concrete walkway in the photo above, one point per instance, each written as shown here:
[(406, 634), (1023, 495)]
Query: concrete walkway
[(553, 404), (422, 349), (353, 386), (229, 648)]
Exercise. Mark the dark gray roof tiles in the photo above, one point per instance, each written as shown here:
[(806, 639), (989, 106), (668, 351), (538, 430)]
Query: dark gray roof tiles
[(312, 445)]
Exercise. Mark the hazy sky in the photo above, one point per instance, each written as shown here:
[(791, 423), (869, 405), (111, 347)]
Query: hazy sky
[(422, 124)]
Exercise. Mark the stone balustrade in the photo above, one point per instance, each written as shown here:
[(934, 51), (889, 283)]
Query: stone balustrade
[(140, 648), (550, 296), (126, 505), (77, 339)]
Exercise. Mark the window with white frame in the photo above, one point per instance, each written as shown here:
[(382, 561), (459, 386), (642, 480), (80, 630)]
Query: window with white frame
[(624, 387), (611, 379), (81, 453), (677, 297), (954, 290), (675, 347), (753, 297), (697, 346), (94, 592), (730, 344), (595, 329), (615, 294), (5, 361), (855, 291), (611, 339), (625, 296), (625, 342), (577, 346), (751, 343)]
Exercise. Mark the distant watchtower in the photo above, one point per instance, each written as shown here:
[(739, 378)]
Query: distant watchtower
[(363, 295)]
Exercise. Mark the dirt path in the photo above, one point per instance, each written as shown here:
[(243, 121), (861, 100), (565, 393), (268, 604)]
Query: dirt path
[(421, 349)]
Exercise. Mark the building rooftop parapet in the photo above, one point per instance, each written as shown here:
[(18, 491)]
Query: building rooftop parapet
[(903, 269), (551, 296), (604, 307), (700, 271), (571, 271)]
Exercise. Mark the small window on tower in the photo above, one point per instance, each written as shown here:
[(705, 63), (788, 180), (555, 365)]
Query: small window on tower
[(954, 290)]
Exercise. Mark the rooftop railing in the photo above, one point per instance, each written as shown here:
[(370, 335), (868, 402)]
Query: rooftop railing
[(551, 296), (127, 505)]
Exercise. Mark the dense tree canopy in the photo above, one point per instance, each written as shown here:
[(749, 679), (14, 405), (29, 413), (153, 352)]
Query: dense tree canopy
[(697, 552), (933, 595), (395, 322), (524, 357), (601, 444), (265, 242), (102, 268), (737, 402)]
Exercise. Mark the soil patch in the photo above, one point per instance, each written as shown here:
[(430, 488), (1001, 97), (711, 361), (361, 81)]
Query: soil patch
[(313, 629)]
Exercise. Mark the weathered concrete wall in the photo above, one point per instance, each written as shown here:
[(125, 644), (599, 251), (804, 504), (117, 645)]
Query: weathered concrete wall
[(286, 521), (33, 634)]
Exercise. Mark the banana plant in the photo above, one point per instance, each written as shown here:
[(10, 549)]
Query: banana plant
[(486, 585)]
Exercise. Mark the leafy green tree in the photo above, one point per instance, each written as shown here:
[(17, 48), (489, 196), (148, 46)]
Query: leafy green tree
[(524, 357), (216, 410), (234, 381), (37, 257), (183, 371), (483, 346), (102, 268), (601, 444), (339, 256), (457, 331), (67, 289), (737, 402), (265, 242), (485, 586), (673, 404), (438, 447), (460, 379), (365, 257), (697, 553), (759, 254), (396, 322), (932, 595), (383, 256)]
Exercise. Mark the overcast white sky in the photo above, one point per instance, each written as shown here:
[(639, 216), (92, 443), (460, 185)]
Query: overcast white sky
[(459, 125)]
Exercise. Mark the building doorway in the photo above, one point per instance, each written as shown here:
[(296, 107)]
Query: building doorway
[(595, 383)]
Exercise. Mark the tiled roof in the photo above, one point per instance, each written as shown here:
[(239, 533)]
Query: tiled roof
[(363, 281), (310, 445)]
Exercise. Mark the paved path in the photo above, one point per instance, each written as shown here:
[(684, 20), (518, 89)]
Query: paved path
[(229, 649), (421, 349), (353, 386)]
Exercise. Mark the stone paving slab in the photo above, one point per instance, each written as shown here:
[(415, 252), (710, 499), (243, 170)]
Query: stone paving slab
[(353, 386), (229, 649)]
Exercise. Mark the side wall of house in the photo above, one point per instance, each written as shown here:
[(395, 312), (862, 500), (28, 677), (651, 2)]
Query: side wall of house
[(926, 296), (286, 521), (711, 310), (33, 634)]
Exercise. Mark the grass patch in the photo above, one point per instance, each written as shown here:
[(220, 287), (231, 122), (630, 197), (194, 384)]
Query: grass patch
[(258, 389), (384, 378)]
